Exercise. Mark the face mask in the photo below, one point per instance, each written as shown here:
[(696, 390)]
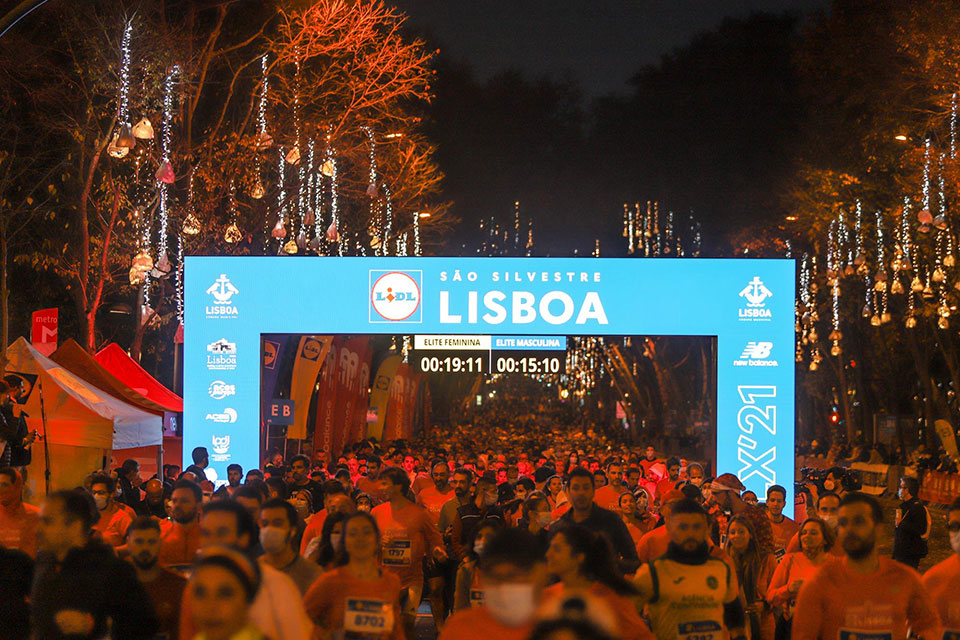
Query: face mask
[(696, 481), (101, 502), (544, 518), (335, 540), (490, 499), (478, 547), (273, 539), (902, 493), (829, 485), (512, 604), (831, 522), (955, 541)]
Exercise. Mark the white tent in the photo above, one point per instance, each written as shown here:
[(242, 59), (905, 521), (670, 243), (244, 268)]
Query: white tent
[(81, 423)]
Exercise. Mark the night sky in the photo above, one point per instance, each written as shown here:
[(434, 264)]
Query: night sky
[(602, 43)]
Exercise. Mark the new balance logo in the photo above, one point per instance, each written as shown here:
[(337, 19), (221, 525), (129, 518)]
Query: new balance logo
[(757, 351)]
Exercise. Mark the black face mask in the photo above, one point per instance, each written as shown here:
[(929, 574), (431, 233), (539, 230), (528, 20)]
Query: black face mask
[(697, 556)]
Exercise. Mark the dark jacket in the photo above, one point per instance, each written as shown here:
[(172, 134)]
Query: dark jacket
[(13, 430), (130, 495), (16, 572), (91, 579), (908, 542), (608, 524), (468, 520)]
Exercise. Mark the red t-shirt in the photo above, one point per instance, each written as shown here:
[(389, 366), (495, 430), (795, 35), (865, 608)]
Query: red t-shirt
[(476, 623), (608, 498), (629, 624), (178, 543), (840, 604), (313, 529), (782, 532), (432, 500), (339, 601), (792, 567), (943, 583), (407, 535), (18, 527)]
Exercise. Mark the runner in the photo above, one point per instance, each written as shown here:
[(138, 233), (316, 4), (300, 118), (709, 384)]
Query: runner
[(584, 564), (690, 595), (357, 599), (828, 507), (783, 527), (816, 540), (943, 580), (512, 576), (407, 537), (468, 591), (863, 595), (754, 571), (222, 588), (432, 498)]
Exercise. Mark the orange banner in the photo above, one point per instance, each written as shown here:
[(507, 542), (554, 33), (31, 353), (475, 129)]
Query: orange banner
[(348, 380)]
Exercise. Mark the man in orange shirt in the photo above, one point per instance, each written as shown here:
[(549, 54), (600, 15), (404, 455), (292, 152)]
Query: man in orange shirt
[(407, 536), (669, 483), (370, 483), (180, 536), (512, 576), (114, 520), (608, 496), (654, 543), (863, 595), (943, 580), (432, 498), (783, 527), (18, 520)]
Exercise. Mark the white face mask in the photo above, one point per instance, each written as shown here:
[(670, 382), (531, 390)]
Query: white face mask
[(478, 547), (902, 493), (955, 541), (545, 518), (273, 539), (490, 498), (832, 522), (335, 540), (512, 604), (101, 502)]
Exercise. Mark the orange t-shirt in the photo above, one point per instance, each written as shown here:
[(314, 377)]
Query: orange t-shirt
[(407, 535), (838, 603), (113, 525), (432, 500), (608, 498), (339, 601), (635, 534), (178, 543), (783, 531), (792, 567), (476, 623), (313, 529), (653, 544), (372, 489), (943, 583), (18, 528), (557, 513), (666, 485), (629, 624)]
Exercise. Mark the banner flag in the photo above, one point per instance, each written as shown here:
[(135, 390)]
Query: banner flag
[(945, 430), (273, 346), (380, 394), (310, 355), (358, 421), (326, 401), (348, 376), (403, 404)]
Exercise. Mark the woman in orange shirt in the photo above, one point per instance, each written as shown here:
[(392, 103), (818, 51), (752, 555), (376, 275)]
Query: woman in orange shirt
[(357, 599), (816, 539), (584, 563)]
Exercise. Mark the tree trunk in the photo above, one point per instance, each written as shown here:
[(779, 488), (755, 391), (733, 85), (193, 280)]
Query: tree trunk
[(4, 299)]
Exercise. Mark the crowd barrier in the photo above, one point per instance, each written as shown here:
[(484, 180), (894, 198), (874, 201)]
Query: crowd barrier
[(940, 488), (877, 478)]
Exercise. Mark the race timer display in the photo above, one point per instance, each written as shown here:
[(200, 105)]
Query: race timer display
[(533, 355)]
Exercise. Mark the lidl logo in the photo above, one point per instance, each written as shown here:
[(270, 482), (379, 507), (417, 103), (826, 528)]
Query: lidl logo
[(395, 296)]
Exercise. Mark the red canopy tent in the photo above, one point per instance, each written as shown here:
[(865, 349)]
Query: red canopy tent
[(119, 363), (115, 360)]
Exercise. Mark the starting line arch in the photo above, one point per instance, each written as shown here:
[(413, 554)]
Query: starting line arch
[(747, 304)]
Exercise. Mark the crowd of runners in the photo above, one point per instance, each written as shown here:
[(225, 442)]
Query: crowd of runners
[(505, 534)]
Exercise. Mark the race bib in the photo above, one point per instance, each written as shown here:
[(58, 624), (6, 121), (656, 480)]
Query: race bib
[(951, 634), (779, 553), (397, 553), (367, 618), (856, 634), (476, 598), (700, 630)]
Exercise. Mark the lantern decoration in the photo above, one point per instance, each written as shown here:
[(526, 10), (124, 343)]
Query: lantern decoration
[(290, 247), (125, 139), (165, 173), (293, 156), (136, 276), (333, 235), (143, 130), (279, 230), (327, 167), (257, 192), (143, 262), (116, 151), (162, 267), (232, 235)]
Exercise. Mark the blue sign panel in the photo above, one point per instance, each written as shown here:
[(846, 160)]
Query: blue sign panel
[(746, 304)]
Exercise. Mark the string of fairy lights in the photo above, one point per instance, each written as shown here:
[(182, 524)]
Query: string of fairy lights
[(910, 271), (306, 217)]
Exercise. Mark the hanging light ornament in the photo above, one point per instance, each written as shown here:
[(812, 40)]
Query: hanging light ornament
[(924, 216), (859, 260), (143, 262), (143, 130), (124, 137), (332, 234), (372, 186), (881, 276), (279, 230), (191, 225), (232, 235), (180, 280), (264, 141), (165, 173), (117, 152), (835, 335), (290, 247), (905, 235)]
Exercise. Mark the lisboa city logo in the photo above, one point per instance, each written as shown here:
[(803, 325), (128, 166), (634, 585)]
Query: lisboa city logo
[(222, 355), (395, 296), (222, 291), (756, 295)]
